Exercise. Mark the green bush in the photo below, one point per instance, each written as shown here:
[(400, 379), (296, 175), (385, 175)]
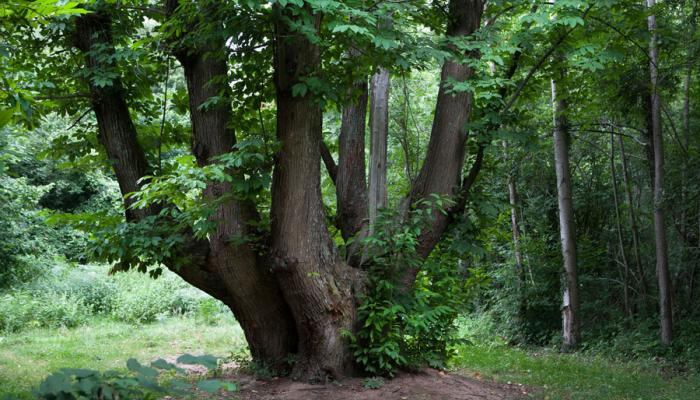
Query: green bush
[(140, 299), (23, 309), (407, 329)]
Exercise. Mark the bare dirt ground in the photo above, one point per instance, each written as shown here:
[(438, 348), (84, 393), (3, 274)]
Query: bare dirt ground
[(425, 385), (428, 384)]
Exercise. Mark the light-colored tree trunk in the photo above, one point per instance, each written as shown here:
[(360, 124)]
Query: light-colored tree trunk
[(515, 229), (379, 130), (662, 270), (570, 305)]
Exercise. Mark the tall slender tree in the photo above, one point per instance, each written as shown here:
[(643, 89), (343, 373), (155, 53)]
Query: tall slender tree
[(662, 270), (570, 303)]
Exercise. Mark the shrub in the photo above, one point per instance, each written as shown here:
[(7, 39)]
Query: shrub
[(23, 309), (140, 299), (408, 328)]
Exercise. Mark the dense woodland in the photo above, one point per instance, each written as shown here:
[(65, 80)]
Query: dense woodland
[(352, 178)]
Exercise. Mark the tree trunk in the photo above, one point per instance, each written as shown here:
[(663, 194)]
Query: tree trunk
[(517, 251), (662, 270), (225, 271), (570, 306), (641, 279), (255, 296), (618, 224), (117, 133), (317, 286), (441, 170), (379, 131), (350, 183)]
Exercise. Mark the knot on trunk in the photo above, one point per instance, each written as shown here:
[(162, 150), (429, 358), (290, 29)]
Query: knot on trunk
[(283, 264)]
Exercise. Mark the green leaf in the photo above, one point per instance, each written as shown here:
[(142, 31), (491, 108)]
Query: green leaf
[(206, 360), (213, 385)]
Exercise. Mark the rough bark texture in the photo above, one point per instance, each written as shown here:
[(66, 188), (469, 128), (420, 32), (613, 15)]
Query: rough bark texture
[(570, 305), (117, 133), (379, 132), (441, 170), (659, 216), (350, 183), (315, 284), (226, 271), (255, 297)]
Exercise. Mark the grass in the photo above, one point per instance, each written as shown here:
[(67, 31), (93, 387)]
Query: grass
[(26, 358), (576, 376)]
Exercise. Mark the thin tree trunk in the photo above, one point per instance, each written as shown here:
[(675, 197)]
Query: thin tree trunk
[(623, 253), (641, 278), (570, 306), (662, 269), (515, 229), (379, 131)]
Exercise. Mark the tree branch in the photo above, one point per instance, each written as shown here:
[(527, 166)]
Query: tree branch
[(328, 161)]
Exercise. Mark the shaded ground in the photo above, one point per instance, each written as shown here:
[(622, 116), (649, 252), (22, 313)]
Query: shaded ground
[(426, 385)]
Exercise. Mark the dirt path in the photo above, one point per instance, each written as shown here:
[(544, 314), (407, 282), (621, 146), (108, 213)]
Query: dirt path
[(426, 385)]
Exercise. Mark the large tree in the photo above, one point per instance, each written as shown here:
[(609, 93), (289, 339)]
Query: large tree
[(285, 281)]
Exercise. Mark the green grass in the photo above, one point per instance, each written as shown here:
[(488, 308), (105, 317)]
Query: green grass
[(26, 358), (576, 377)]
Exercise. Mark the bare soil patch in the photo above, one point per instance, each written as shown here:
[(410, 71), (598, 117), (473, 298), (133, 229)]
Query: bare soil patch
[(425, 385)]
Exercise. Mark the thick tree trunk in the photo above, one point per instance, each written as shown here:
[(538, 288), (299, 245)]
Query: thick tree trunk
[(255, 297), (316, 285), (214, 266), (442, 167), (379, 131), (570, 306), (662, 270)]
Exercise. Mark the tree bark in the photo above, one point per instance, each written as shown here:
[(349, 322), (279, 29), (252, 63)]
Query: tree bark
[(317, 286), (255, 296), (117, 133), (379, 131), (661, 246), (225, 271), (351, 183), (442, 166), (570, 306)]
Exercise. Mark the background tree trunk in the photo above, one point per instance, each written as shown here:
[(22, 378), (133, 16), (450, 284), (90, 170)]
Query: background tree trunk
[(570, 306), (379, 131), (662, 270), (641, 277), (618, 225)]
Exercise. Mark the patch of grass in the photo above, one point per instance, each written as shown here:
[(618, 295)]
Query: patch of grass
[(576, 376), (26, 358)]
